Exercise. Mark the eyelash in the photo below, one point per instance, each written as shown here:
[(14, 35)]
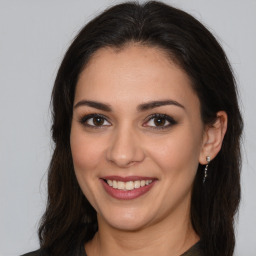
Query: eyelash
[(84, 121), (162, 116)]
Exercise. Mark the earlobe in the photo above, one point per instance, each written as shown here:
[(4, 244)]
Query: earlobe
[(213, 137)]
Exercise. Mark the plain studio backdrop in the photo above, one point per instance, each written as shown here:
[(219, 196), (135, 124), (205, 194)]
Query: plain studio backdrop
[(34, 36)]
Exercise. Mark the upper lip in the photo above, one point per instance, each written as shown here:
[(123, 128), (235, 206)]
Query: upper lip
[(127, 178)]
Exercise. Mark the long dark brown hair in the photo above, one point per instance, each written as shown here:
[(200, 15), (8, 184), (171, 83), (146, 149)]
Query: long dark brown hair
[(69, 220)]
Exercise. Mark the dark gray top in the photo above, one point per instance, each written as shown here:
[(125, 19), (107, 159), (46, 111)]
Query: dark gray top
[(193, 251)]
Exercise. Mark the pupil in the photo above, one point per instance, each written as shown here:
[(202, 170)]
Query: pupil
[(159, 121), (98, 121)]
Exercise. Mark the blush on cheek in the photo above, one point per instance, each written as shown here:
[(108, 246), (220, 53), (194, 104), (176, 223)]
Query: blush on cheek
[(177, 154), (85, 152), (83, 158)]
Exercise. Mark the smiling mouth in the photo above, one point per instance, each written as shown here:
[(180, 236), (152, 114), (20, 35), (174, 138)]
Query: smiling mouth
[(127, 188), (129, 185)]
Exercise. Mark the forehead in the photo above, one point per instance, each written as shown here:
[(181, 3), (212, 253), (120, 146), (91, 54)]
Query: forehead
[(133, 73)]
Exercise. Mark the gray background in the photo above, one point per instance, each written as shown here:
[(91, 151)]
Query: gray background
[(33, 38)]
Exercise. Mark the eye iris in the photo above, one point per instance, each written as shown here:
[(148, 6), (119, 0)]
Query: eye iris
[(97, 121), (159, 121)]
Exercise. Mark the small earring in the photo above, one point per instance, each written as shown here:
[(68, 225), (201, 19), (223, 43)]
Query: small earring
[(208, 159)]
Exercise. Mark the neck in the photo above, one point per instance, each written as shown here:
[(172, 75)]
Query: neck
[(171, 236)]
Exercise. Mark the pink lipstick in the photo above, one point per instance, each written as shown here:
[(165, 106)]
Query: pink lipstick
[(127, 188)]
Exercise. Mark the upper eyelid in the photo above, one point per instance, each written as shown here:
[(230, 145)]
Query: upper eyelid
[(168, 118), (155, 115), (86, 117), (147, 119), (91, 115)]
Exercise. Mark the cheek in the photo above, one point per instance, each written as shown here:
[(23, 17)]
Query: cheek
[(86, 152), (177, 154)]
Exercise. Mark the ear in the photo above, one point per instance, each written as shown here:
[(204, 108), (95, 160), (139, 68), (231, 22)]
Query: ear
[(213, 137)]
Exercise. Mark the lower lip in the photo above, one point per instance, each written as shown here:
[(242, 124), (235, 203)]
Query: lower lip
[(127, 194)]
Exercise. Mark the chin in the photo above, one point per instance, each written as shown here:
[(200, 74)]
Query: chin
[(129, 226), (125, 221)]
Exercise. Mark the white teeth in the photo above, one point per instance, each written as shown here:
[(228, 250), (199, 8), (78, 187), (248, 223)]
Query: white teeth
[(114, 184), (137, 184), (120, 185), (110, 183), (129, 185)]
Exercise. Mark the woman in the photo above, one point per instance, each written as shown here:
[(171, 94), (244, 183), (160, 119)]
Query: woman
[(146, 127)]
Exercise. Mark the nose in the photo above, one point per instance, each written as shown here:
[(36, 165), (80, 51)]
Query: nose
[(125, 148)]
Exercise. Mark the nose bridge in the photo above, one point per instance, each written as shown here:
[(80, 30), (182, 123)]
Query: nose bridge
[(124, 149)]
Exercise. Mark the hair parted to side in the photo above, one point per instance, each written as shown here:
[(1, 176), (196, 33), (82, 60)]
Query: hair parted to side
[(69, 219)]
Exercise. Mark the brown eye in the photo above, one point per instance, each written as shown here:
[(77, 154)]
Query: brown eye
[(160, 121), (98, 121), (95, 121)]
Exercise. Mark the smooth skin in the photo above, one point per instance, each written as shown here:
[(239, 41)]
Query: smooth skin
[(165, 141)]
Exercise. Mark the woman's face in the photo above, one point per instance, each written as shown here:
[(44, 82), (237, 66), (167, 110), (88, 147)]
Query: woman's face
[(136, 137)]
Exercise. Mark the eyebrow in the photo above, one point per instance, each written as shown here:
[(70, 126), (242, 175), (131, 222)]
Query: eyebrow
[(158, 103), (94, 104), (141, 107)]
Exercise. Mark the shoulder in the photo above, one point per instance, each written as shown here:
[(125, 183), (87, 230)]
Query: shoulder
[(78, 251), (195, 250), (34, 253)]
